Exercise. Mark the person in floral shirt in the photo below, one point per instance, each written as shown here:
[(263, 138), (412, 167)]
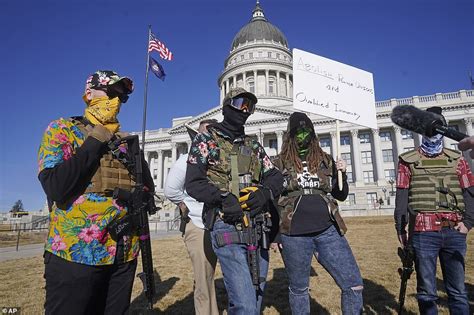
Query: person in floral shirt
[(86, 271), (221, 162)]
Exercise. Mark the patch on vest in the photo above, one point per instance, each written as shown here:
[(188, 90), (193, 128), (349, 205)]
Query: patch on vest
[(306, 179)]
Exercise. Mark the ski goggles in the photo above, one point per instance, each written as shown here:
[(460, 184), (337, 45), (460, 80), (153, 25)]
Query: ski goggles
[(242, 104)]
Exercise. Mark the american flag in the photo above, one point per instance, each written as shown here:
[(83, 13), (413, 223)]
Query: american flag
[(158, 46)]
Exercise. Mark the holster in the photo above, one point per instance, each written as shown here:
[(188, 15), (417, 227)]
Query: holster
[(184, 214), (334, 214), (209, 215)]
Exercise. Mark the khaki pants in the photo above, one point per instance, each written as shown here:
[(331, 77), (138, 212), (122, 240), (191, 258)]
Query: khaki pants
[(198, 244)]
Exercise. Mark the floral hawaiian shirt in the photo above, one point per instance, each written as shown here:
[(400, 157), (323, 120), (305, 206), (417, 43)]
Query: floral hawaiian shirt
[(78, 233)]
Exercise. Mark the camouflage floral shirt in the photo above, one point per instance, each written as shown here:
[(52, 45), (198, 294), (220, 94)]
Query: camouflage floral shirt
[(78, 233)]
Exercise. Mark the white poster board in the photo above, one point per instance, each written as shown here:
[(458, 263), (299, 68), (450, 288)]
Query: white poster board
[(329, 88)]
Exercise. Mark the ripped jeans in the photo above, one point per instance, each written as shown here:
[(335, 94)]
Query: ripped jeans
[(333, 252)]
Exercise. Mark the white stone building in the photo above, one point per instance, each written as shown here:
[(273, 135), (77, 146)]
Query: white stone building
[(261, 62)]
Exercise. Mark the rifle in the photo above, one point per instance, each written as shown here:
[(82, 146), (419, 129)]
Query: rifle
[(257, 229), (140, 202), (406, 255)]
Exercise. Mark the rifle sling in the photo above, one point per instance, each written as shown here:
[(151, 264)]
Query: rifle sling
[(237, 237)]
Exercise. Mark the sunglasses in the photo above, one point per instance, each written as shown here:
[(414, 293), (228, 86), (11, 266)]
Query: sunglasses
[(243, 104)]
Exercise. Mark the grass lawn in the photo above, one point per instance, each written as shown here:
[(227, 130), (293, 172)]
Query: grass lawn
[(372, 239)]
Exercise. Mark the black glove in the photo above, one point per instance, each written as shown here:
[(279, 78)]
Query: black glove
[(257, 199), (231, 209)]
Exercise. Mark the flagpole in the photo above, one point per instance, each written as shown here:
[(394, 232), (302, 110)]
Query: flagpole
[(146, 88)]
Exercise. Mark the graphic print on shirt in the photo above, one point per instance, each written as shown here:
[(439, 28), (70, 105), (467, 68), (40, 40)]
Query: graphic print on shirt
[(306, 179)]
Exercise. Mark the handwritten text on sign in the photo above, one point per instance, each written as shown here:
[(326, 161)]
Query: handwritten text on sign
[(329, 88)]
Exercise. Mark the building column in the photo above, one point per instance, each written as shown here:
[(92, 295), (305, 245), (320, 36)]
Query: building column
[(287, 84), (469, 129), (279, 134), (173, 152), (227, 86), (255, 82), (222, 92), (244, 80), (446, 141), (234, 78), (278, 83), (378, 158), (266, 82), (398, 140), (333, 145), (159, 172), (356, 166)]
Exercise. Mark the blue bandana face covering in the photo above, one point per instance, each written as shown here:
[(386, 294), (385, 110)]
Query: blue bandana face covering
[(432, 146)]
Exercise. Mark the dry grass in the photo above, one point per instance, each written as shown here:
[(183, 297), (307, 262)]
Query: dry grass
[(8, 238), (372, 239)]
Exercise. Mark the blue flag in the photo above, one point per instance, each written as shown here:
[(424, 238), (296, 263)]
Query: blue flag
[(157, 69)]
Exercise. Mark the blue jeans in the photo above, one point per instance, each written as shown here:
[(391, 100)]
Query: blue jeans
[(237, 279), (333, 252), (450, 246)]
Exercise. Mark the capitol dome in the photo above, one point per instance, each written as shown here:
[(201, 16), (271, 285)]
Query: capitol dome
[(258, 29)]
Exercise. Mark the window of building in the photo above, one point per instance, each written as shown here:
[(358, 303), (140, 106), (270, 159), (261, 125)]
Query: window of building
[(368, 176), (260, 54), (350, 200), (346, 157), (278, 56), (271, 86), (269, 54), (387, 155), (155, 174), (241, 57), (345, 140), (350, 179), (251, 55), (371, 198), (390, 174), (364, 137), (408, 149), (251, 84), (324, 142), (385, 136), (406, 134), (273, 143), (366, 157)]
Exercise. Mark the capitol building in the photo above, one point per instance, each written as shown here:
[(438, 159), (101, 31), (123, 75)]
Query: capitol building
[(260, 61)]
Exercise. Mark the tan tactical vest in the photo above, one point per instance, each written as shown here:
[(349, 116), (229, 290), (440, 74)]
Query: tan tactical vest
[(110, 174), (238, 166), (434, 184)]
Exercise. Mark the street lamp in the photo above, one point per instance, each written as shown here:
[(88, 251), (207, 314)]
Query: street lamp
[(391, 182)]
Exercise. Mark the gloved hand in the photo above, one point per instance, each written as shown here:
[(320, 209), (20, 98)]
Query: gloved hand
[(256, 199), (101, 133), (231, 209)]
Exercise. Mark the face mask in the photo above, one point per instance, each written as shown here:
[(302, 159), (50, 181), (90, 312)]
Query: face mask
[(104, 111), (432, 146), (303, 139)]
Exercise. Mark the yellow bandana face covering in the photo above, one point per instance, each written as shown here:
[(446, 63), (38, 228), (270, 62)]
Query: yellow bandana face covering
[(104, 111)]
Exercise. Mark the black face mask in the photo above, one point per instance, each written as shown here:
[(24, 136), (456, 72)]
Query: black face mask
[(234, 121)]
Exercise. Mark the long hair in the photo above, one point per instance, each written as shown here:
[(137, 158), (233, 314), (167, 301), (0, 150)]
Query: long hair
[(316, 155)]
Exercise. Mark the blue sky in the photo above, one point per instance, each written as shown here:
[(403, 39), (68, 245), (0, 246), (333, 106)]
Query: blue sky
[(49, 48)]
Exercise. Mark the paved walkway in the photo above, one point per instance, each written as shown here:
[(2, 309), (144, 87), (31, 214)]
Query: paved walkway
[(31, 250)]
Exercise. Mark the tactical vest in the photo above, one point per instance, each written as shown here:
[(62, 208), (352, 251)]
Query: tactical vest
[(238, 167), (434, 185), (288, 201), (110, 174)]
